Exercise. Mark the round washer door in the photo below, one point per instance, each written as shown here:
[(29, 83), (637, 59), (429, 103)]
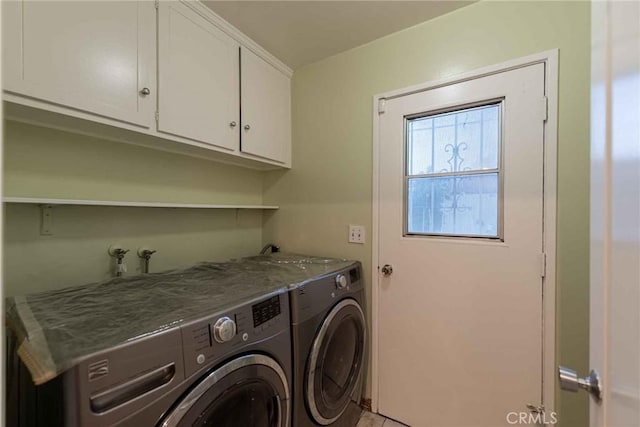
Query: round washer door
[(250, 390), (336, 362)]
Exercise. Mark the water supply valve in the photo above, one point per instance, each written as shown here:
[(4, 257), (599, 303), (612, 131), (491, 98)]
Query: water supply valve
[(145, 255), (118, 253)]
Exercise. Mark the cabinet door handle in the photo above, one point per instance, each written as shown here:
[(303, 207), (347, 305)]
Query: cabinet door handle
[(247, 127), (145, 91), (233, 124)]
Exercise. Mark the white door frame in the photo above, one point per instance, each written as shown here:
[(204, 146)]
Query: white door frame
[(550, 59)]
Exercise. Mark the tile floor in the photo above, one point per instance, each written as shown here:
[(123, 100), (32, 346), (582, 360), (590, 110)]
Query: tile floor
[(369, 419)]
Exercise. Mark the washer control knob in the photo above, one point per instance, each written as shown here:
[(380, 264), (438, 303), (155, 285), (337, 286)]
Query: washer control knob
[(341, 281), (224, 329)]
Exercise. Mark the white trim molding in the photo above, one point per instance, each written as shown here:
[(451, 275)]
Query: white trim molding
[(550, 60)]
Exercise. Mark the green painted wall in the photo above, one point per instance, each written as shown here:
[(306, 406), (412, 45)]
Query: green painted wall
[(40, 162), (329, 186)]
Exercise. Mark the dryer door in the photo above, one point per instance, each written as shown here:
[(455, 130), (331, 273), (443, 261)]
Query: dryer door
[(251, 390), (336, 362)]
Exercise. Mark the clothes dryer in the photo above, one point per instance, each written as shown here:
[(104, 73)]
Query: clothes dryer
[(328, 329)]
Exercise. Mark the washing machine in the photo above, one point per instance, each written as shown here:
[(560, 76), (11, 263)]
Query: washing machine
[(328, 330), (229, 368)]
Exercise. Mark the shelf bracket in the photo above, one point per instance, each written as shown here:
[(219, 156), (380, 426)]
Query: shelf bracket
[(46, 220)]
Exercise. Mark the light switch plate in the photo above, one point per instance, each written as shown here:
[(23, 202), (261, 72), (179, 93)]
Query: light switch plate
[(356, 234)]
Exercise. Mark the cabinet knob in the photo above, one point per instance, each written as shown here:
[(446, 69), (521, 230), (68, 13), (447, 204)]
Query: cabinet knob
[(233, 124), (247, 127), (145, 91)]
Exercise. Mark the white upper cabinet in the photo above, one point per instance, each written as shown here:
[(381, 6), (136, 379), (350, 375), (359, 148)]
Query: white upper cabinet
[(266, 109), (91, 56), (170, 75), (198, 78)]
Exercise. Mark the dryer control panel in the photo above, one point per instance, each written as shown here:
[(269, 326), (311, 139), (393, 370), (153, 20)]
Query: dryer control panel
[(312, 298), (209, 341)]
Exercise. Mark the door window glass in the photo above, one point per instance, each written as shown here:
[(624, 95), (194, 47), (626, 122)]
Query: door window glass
[(453, 173)]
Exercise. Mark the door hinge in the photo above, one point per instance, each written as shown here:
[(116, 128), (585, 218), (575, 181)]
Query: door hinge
[(543, 264), (157, 116), (382, 105), (545, 108)]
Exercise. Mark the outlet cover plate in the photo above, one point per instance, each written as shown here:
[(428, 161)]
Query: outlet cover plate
[(356, 234)]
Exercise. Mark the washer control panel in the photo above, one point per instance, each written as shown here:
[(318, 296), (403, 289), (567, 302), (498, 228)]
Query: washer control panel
[(207, 341), (265, 310)]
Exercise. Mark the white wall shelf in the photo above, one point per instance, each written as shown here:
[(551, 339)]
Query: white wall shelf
[(76, 202)]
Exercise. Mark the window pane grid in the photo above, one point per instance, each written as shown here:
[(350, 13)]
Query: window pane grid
[(453, 177), (461, 173)]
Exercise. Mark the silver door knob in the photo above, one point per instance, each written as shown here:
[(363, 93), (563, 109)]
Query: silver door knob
[(145, 91), (387, 270), (233, 124), (569, 381), (247, 127)]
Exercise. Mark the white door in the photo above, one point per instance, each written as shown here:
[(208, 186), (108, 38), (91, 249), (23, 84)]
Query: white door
[(461, 227), (266, 109), (615, 212), (93, 56), (198, 78)]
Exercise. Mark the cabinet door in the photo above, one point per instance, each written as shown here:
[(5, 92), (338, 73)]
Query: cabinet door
[(266, 109), (198, 78), (91, 56)]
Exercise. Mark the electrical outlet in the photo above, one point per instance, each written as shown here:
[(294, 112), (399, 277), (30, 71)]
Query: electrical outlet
[(356, 234)]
